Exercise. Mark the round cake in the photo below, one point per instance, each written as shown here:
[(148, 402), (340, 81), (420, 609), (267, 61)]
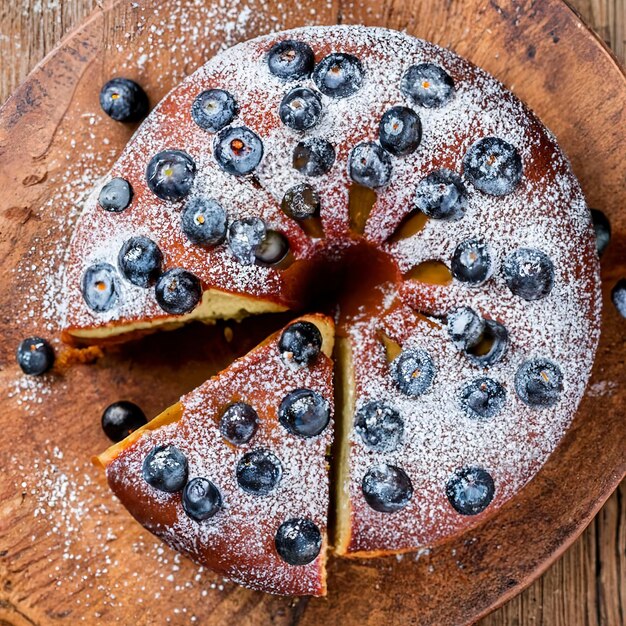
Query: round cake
[(362, 173)]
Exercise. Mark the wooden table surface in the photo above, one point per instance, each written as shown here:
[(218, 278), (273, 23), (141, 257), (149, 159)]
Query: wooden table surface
[(587, 586)]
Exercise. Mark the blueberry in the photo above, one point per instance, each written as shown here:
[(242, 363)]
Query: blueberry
[(204, 221), (313, 156), (244, 236), (170, 174), (178, 291), (165, 468), (379, 426), (116, 195), (338, 75), (442, 196), (483, 398), (140, 260), (602, 227), (213, 109), (529, 273), (301, 202), (493, 166), (618, 296), (304, 412), (465, 327), (470, 490), (239, 423), (238, 150), (290, 59), (273, 248), (300, 343), (201, 499), (300, 109), (369, 165), (413, 371), (122, 418), (428, 85), (497, 338), (298, 541), (124, 100), (259, 471), (400, 131), (386, 488), (471, 262), (35, 356), (100, 287), (539, 382)]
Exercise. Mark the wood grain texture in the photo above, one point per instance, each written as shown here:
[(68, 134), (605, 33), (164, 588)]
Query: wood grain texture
[(586, 586)]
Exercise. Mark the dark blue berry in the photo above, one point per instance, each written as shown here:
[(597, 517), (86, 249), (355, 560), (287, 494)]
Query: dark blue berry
[(470, 490), (201, 499), (413, 371), (313, 156), (529, 273), (244, 237), (124, 100), (273, 248), (304, 412), (238, 150), (300, 343), (465, 327), (428, 85), (178, 291), (239, 423), (539, 382), (338, 75), (471, 262), (369, 165), (300, 109), (290, 59), (139, 261), (100, 287), (496, 336), (400, 131), (442, 195), (35, 356), (618, 296), (379, 426), (165, 468), (386, 488), (116, 195), (170, 174), (483, 398), (259, 471), (493, 166), (204, 221), (301, 202), (213, 109), (602, 228), (122, 418), (298, 541)]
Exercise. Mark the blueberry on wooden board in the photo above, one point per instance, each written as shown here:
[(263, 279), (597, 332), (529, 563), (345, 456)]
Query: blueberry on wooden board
[(124, 100), (35, 356)]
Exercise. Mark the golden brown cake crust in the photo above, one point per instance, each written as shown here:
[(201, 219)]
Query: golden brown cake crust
[(545, 211)]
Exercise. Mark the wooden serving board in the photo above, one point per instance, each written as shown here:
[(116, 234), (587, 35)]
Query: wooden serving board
[(69, 553)]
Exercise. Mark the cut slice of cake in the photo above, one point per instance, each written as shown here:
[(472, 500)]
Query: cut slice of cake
[(235, 475)]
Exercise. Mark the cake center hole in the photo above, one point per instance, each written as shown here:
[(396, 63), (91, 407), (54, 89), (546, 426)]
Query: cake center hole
[(351, 281)]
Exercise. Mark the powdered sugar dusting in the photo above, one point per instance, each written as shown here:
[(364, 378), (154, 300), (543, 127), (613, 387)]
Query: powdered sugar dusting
[(239, 540)]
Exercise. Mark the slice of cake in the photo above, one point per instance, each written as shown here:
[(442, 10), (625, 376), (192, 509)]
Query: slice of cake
[(235, 475)]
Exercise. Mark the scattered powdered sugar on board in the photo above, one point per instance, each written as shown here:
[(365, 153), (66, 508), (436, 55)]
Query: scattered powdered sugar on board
[(79, 522)]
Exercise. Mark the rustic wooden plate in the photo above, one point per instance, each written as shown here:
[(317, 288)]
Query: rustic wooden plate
[(68, 551)]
